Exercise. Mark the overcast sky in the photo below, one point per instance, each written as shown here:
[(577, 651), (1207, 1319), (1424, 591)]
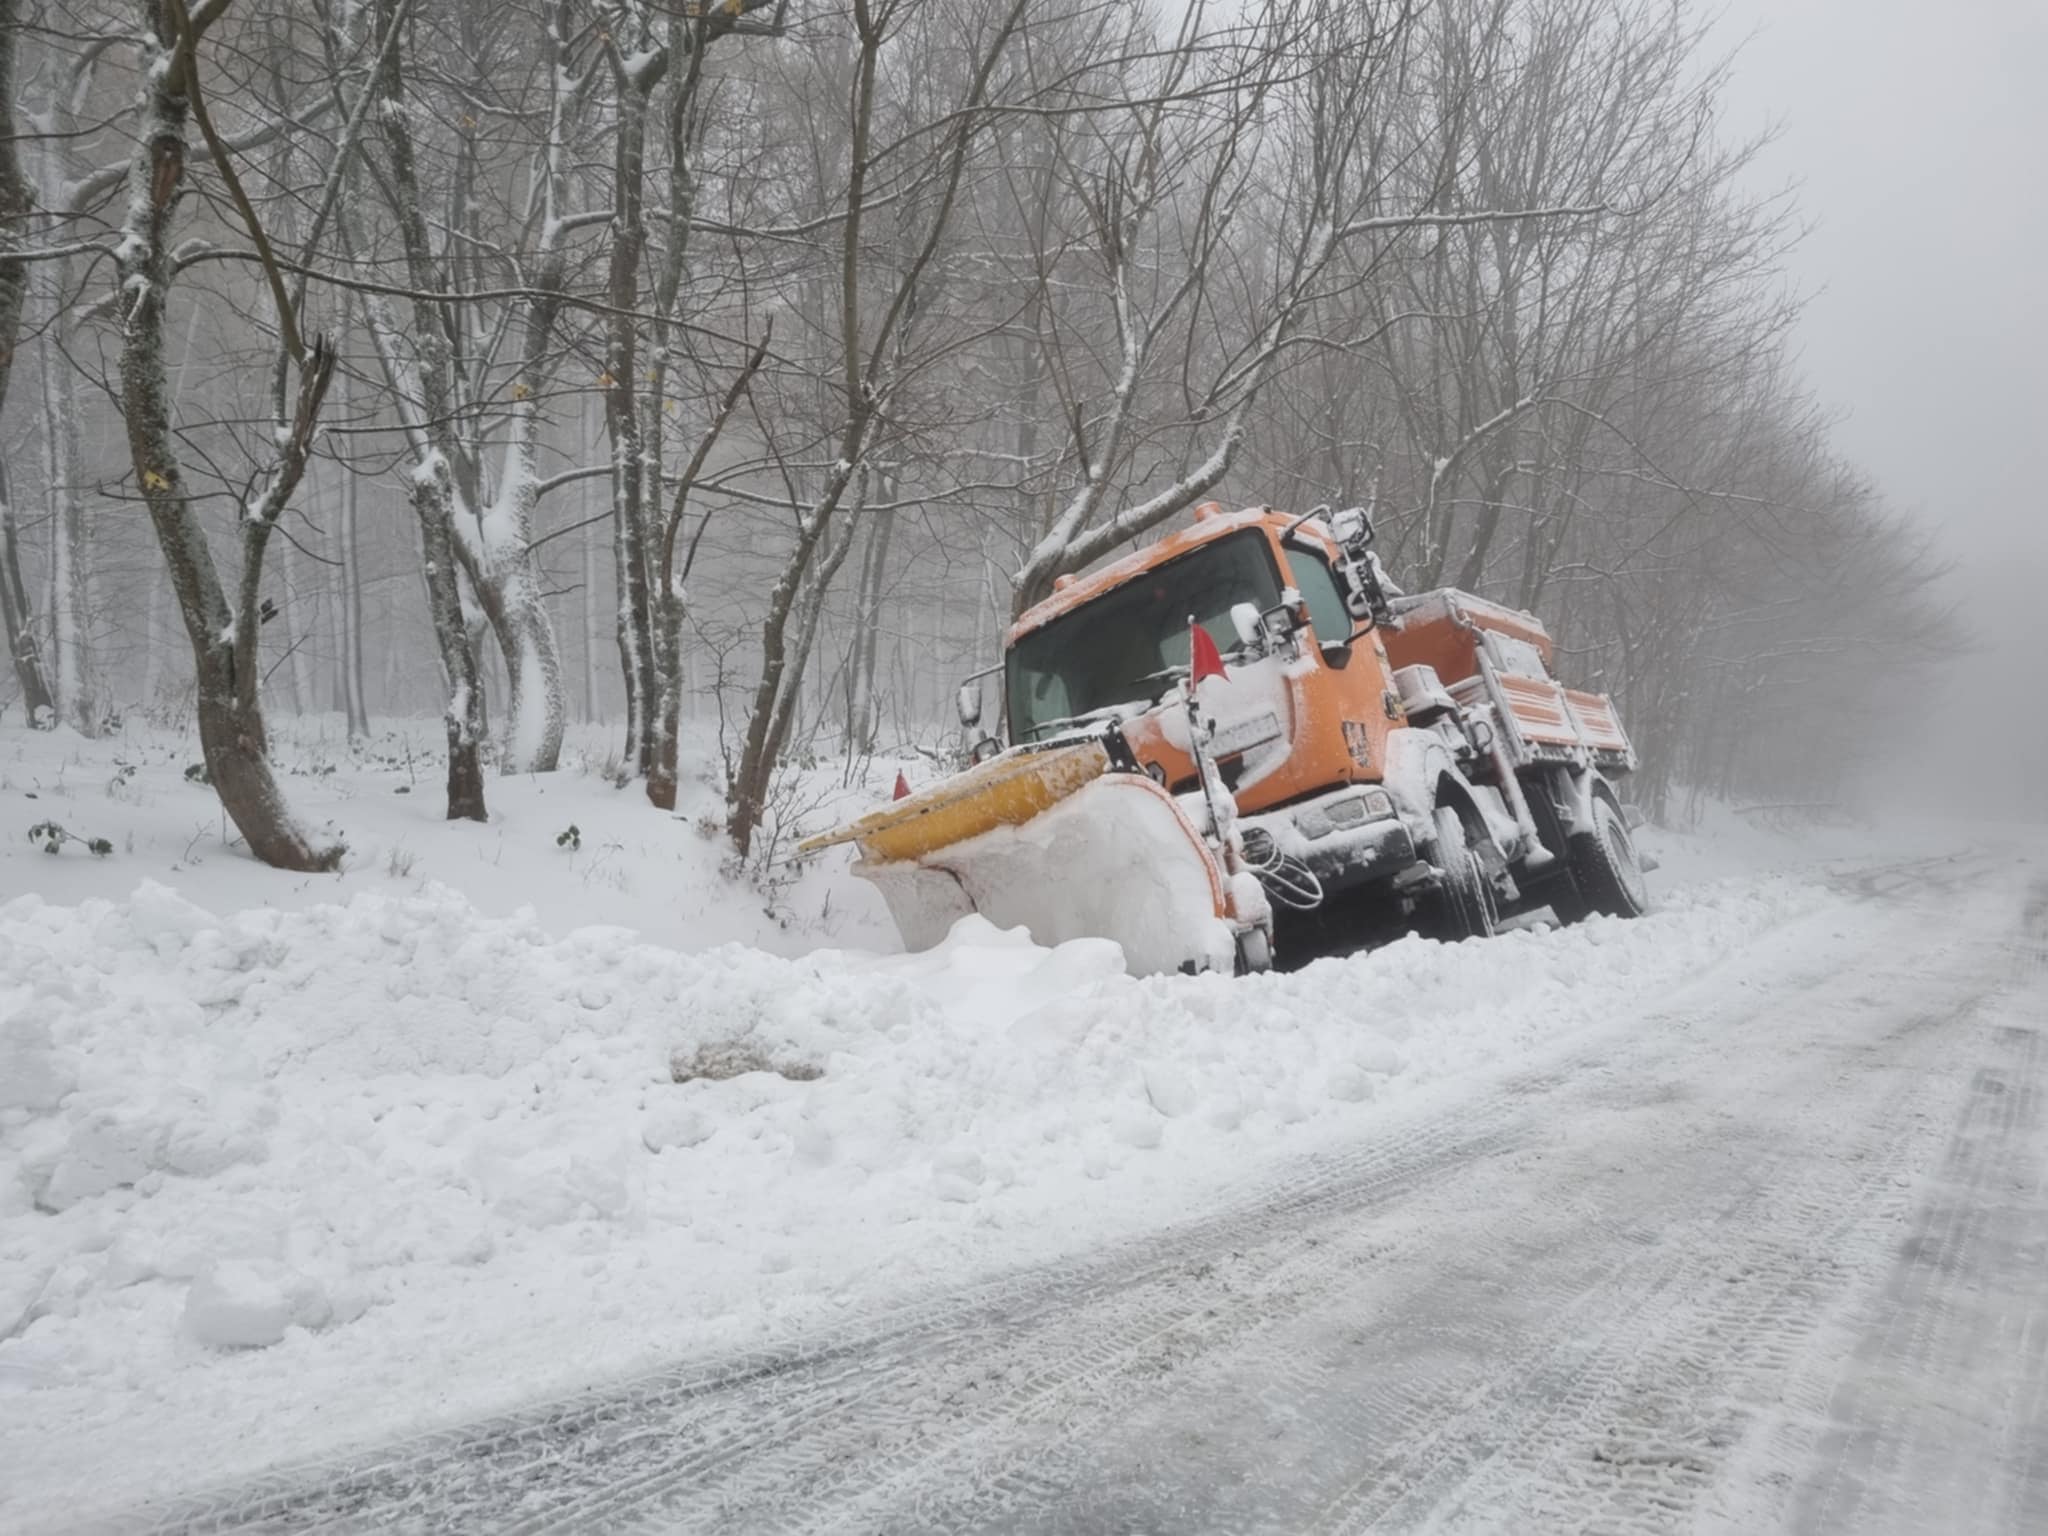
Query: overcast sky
[(1918, 135)]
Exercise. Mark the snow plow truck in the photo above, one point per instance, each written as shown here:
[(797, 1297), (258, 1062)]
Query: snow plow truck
[(1242, 745)]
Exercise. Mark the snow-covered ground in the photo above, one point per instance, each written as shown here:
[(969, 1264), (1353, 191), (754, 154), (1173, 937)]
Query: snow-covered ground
[(627, 864), (292, 1163)]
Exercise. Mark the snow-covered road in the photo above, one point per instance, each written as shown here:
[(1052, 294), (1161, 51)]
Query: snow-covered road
[(1768, 1253)]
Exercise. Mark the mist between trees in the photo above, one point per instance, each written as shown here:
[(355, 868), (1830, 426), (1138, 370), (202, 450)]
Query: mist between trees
[(735, 371)]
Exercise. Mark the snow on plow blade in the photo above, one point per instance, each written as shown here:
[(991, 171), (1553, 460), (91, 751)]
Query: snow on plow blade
[(1058, 841)]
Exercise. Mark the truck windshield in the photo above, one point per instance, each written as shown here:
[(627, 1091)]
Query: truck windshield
[(1118, 649)]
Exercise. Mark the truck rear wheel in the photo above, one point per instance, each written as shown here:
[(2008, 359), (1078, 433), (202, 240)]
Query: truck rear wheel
[(1465, 902), (1606, 874)]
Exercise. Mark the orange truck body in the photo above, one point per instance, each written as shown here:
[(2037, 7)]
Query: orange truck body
[(1340, 716)]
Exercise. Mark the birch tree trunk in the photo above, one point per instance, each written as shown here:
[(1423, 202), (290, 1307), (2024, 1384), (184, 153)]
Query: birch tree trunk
[(68, 653), (496, 544), (65, 648)]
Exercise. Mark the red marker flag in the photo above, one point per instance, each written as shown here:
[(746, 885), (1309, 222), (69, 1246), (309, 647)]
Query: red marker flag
[(902, 787), (1208, 661)]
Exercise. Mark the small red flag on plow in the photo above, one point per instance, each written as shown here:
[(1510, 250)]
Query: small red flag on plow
[(1207, 660), (902, 787)]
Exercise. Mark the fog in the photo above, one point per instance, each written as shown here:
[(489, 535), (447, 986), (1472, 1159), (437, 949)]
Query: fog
[(1914, 136)]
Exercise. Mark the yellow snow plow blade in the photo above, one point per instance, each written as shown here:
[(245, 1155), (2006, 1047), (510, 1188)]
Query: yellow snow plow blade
[(1061, 844), (1005, 791)]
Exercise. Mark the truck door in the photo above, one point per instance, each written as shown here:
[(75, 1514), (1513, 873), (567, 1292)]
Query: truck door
[(1350, 703)]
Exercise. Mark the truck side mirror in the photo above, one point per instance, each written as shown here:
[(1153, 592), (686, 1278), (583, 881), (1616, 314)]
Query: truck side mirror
[(968, 702), (1244, 618), (1352, 528), (1284, 620)]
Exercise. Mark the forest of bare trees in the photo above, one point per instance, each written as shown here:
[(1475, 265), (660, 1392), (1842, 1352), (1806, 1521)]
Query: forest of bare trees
[(732, 371)]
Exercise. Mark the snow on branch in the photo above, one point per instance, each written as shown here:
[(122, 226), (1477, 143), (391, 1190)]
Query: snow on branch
[(1454, 220)]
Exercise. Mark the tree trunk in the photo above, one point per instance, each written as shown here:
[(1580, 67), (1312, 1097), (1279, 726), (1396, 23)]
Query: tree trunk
[(632, 537), (432, 497), (231, 733), (497, 544), (426, 389), (69, 651), (354, 696), (586, 540), (15, 613), (666, 732), (747, 795), (534, 713), (807, 638), (864, 710), (17, 202), (349, 537)]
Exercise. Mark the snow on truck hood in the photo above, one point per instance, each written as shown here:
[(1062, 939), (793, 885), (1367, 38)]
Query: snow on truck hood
[(1085, 589)]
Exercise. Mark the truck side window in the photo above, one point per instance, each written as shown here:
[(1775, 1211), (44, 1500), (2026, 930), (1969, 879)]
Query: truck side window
[(1317, 584)]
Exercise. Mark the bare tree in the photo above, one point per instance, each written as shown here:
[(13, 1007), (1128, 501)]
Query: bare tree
[(865, 343), (441, 370), (223, 627), (643, 59)]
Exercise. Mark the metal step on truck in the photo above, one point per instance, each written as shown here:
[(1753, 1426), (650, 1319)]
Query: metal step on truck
[(1240, 746)]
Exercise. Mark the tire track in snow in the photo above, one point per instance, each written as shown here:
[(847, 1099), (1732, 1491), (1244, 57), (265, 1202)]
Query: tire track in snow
[(1959, 1334), (1669, 1423), (1642, 1433), (584, 1462), (1791, 1270), (1462, 1381)]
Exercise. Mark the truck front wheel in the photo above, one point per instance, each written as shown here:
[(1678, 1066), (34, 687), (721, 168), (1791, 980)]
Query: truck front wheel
[(1465, 900), (1606, 874)]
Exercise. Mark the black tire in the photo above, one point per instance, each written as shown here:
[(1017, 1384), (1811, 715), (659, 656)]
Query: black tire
[(1553, 886), (1566, 904), (1606, 874), (1465, 904), (1254, 951)]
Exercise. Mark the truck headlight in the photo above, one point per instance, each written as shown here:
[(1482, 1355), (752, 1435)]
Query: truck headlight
[(1343, 812)]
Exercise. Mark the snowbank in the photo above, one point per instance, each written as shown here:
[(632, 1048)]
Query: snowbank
[(256, 1169), (625, 862)]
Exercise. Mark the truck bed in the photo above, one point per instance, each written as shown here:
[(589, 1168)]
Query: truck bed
[(1497, 660)]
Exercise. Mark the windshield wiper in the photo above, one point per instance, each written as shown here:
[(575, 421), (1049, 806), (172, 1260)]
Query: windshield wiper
[(1163, 681)]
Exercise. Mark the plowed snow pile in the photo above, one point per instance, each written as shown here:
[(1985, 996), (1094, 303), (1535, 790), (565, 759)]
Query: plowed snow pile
[(273, 1180)]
